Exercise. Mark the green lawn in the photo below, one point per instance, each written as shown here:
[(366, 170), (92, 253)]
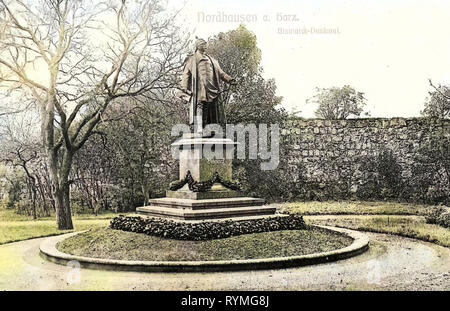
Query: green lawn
[(408, 226), (385, 217), (354, 208), (15, 227)]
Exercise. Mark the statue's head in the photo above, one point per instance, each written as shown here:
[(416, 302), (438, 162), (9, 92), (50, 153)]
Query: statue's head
[(200, 45)]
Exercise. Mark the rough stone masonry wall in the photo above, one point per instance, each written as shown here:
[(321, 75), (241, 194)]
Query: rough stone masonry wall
[(332, 152)]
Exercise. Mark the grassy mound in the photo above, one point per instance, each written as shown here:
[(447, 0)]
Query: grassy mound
[(115, 244)]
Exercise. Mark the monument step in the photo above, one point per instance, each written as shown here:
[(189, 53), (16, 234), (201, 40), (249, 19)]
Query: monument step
[(206, 203), (211, 213)]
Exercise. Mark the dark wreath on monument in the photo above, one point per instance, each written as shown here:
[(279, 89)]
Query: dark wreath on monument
[(203, 186)]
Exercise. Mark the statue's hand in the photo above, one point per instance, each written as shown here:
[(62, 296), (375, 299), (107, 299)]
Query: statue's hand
[(232, 81)]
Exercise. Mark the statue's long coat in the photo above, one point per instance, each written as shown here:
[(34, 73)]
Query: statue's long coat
[(189, 81)]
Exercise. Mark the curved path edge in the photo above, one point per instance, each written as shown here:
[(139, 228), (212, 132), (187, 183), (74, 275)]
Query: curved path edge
[(360, 244)]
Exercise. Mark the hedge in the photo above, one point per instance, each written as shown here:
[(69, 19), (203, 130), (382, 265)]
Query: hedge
[(439, 216), (206, 230)]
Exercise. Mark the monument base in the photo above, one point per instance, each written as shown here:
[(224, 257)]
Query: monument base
[(203, 209), (205, 190)]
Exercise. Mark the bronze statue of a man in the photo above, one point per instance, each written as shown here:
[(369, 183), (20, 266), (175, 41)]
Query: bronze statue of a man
[(200, 83)]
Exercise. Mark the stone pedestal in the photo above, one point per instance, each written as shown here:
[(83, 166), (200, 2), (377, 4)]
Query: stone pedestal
[(205, 189), (205, 156)]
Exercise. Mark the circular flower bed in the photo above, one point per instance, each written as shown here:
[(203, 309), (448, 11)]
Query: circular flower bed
[(120, 245)]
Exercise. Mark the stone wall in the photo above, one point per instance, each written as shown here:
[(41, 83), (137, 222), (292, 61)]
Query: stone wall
[(333, 153)]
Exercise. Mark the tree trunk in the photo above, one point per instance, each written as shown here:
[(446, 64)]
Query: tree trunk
[(146, 192), (61, 190), (63, 214), (65, 168), (34, 203)]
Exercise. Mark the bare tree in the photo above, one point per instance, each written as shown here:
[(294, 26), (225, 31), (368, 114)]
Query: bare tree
[(438, 103), (22, 157), (76, 57), (21, 149)]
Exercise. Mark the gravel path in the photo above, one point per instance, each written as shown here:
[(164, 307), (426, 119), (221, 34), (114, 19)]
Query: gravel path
[(392, 263)]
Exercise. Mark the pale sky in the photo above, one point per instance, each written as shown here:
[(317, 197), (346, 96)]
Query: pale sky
[(387, 49)]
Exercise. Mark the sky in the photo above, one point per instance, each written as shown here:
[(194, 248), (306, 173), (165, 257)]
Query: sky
[(387, 49)]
